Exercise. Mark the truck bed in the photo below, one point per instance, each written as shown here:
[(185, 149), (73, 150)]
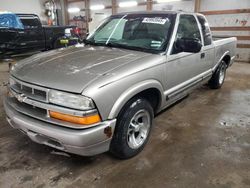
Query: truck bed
[(224, 46)]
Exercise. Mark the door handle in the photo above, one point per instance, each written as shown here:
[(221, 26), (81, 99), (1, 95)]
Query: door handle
[(203, 55)]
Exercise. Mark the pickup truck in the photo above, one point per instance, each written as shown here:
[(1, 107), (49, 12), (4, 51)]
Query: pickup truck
[(21, 33), (103, 95)]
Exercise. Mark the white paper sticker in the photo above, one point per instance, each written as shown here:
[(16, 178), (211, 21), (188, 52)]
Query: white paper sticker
[(155, 44), (155, 20)]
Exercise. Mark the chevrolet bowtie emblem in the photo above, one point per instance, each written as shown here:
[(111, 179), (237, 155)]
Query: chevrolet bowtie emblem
[(21, 97)]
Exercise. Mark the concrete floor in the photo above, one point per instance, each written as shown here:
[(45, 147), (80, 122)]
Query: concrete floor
[(203, 141)]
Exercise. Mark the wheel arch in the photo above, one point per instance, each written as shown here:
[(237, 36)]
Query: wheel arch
[(145, 89), (226, 57)]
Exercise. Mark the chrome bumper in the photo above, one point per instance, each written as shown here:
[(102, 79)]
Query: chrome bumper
[(86, 142)]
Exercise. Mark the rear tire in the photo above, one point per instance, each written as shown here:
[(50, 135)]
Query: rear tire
[(218, 77), (133, 128)]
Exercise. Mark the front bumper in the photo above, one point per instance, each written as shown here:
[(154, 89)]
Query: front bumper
[(86, 142)]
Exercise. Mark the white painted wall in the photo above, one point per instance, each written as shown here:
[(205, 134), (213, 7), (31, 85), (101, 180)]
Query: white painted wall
[(97, 2), (99, 15), (176, 5), (24, 6), (131, 9), (224, 4), (230, 20), (80, 5)]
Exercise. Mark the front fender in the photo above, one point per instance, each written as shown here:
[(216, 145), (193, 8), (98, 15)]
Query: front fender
[(131, 92)]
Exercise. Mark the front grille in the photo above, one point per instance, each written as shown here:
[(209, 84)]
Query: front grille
[(32, 101), (28, 109), (37, 113), (30, 91)]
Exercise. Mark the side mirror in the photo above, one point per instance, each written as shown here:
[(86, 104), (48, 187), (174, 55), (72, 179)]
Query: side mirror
[(188, 45)]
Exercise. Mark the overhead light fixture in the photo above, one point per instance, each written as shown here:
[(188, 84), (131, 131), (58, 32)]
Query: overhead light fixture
[(73, 10), (167, 1), (97, 7), (128, 4)]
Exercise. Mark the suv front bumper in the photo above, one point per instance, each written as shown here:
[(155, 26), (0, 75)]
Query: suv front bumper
[(85, 142)]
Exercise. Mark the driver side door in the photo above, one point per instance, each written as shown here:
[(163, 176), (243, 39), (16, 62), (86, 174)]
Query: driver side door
[(183, 69)]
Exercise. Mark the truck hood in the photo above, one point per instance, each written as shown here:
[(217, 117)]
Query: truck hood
[(74, 68)]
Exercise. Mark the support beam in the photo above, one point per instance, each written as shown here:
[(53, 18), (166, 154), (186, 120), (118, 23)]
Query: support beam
[(149, 5), (114, 7), (87, 14), (243, 45), (197, 5), (238, 37), (232, 28), (233, 11), (65, 12)]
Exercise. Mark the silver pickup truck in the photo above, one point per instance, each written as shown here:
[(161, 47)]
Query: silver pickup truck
[(103, 95)]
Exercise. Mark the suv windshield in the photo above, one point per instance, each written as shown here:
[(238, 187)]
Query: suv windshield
[(149, 32)]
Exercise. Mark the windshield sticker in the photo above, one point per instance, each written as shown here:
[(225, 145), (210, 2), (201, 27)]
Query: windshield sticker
[(156, 44), (155, 20)]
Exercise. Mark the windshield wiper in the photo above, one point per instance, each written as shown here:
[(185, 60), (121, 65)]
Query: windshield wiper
[(116, 45), (85, 41), (95, 43), (137, 48)]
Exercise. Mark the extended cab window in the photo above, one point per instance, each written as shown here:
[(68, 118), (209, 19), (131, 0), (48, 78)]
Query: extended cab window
[(205, 31), (188, 28)]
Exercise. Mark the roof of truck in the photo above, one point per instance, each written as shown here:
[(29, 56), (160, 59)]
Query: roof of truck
[(26, 15), (18, 14), (153, 12)]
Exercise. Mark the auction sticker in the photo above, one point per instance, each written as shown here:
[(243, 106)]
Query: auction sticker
[(156, 20)]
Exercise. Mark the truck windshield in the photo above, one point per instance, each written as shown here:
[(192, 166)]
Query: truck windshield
[(149, 33)]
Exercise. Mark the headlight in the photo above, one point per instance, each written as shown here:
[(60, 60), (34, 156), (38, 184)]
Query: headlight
[(70, 100)]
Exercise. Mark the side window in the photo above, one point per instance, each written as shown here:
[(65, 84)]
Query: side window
[(30, 22), (188, 28), (205, 31)]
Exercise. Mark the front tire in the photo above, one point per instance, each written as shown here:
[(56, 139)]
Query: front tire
[(56, 44), (218, 77), (133, 128)]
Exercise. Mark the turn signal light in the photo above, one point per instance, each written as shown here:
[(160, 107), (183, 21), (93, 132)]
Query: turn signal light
[(86, 120)]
